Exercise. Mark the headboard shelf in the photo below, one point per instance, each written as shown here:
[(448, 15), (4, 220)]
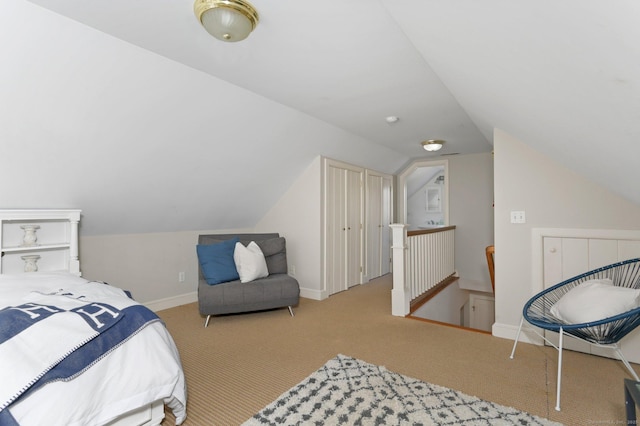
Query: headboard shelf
[(38, 247), (39, 240)]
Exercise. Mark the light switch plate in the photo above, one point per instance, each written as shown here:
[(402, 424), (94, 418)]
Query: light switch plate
[(517, 217)]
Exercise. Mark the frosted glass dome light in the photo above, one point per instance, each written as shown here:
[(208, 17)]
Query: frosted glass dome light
[(432, 144), (226, 20)]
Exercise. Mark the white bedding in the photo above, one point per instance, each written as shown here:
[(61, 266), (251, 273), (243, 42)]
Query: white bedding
[(144, 369)]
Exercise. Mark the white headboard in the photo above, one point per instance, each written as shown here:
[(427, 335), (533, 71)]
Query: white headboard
[(39, 240)]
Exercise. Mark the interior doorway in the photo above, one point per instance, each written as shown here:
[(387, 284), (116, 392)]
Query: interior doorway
[(423, 202), (426, 197), (423, 190)]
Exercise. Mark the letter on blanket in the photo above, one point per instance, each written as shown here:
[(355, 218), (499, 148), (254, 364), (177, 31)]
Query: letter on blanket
[(92, 318), (31, 309)]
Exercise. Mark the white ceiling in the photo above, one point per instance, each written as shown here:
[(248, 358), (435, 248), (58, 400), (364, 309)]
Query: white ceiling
[(351, 66), (563, 77)]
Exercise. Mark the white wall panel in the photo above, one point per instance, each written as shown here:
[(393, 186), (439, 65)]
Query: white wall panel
[(629, 249), (552, 261), (602, 252), (570, 252), (575, 257)]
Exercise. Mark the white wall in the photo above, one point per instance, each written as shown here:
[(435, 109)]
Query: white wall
[(146, 264), (552, 197), (297, 217), (446, 306), (471, 210)]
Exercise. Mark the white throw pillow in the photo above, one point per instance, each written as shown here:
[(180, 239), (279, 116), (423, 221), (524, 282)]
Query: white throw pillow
[(595, 300), (250, 262)]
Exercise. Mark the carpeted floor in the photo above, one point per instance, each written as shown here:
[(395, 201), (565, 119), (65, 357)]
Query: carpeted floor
[(242, 363)]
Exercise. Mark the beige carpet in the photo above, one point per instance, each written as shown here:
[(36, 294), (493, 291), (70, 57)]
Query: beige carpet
[(241, 363)]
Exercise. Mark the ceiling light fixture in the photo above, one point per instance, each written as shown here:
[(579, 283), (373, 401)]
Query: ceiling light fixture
[(432, 144), (392, 119), (226, 20)]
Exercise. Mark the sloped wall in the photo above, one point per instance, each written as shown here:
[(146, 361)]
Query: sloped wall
[(140, 143)]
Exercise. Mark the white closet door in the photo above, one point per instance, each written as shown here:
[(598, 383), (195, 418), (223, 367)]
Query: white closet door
[(565, 258), (335, 230), (379, 210), (354, 212), (387, 215), (346, 231), (575, 257), (374, 226), (604, 252)]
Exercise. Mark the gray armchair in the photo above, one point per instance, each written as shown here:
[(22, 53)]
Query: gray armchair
[(276, 290)]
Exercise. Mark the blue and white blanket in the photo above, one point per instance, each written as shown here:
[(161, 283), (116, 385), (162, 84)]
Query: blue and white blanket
[(56, 335)]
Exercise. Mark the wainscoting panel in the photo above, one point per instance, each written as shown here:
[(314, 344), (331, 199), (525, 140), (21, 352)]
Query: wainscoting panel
[(560, 254)]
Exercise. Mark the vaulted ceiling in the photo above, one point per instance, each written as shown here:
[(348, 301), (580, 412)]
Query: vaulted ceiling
[(563, 77)]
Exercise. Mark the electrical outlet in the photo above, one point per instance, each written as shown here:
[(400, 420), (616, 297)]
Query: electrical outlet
[(292, 270), (181, 277)]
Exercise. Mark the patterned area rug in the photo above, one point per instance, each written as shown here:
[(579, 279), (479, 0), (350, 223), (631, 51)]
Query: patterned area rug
[(347, 391)]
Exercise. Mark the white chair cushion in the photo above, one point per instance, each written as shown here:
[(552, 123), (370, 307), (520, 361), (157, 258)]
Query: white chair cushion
[(595, 300), (250, 262)]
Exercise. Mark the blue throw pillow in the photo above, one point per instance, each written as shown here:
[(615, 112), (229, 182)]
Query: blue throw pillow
[(216, 261)]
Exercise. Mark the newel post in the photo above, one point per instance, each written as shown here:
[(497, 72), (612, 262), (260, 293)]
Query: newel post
[(400, 294)]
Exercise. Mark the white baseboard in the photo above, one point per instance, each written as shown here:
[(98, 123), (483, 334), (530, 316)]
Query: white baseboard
[(172, 302), (508, 331), (309, 293)]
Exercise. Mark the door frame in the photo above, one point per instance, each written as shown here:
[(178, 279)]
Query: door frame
[(402, 188)]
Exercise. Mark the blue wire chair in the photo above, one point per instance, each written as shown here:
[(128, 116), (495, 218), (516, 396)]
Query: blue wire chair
[(606, 332)]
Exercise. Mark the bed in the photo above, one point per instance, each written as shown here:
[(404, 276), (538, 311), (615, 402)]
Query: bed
[(132, 374), (80, 352)]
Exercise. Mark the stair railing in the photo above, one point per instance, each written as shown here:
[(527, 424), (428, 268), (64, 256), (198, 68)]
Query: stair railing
[(421, 260)]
